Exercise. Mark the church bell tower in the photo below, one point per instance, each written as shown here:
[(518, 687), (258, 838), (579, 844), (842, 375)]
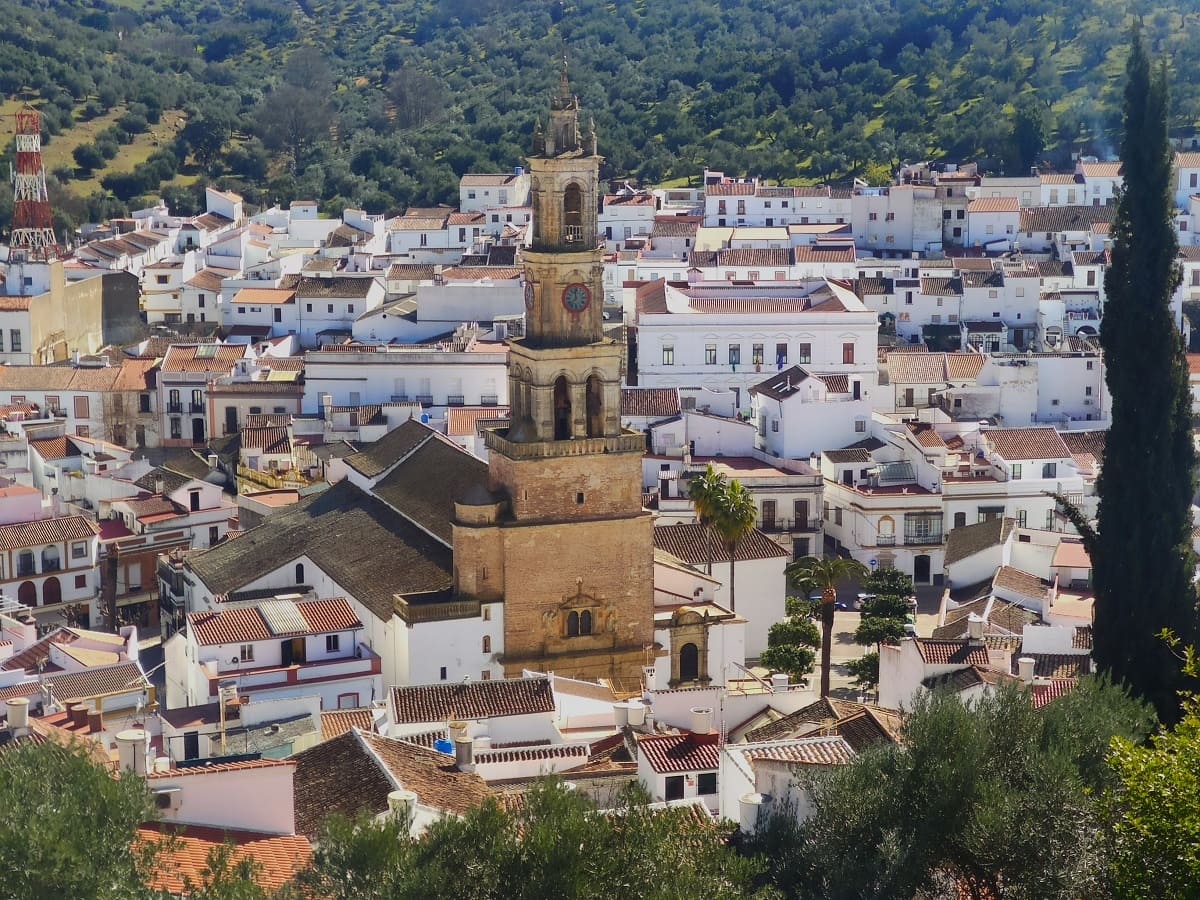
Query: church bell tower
[(563, 536)]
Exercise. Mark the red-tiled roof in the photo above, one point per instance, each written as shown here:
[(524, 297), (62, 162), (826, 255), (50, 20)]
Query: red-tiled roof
[(1021, 582), (46, 531), (202, 357), (209, 768), (993, 205), (339, 721), (87, 683), (460, 420), (182, 864), (472, 700), (655, 403), (290, 618), (1027, 443), (942, 653), (820, 751), (681, 752), (1041, 694), (272, 439)]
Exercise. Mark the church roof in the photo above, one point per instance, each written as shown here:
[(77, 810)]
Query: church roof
[(425, 484), (368, 549)]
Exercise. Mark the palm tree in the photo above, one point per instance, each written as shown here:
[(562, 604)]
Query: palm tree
[(815, 574), (705, 491), (735, 517)]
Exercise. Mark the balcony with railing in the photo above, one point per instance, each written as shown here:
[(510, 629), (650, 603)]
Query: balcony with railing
[(174, 407), (424, 399), (572, 234), (489, 400), (885, 540), (456, 400), (780, 526), (194, 407)]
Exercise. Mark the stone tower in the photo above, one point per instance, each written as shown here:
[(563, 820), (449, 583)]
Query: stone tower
[(562, 536)]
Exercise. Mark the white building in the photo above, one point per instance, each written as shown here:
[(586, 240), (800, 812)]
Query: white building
[(724, 337), (281, 647)]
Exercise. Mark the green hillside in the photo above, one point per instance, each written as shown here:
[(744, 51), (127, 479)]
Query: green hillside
[(385, 104)]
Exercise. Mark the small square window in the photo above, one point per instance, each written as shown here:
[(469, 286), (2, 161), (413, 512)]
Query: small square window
[(246, 653), (579, 498), (332, 642), (81, 581), (706, 783)]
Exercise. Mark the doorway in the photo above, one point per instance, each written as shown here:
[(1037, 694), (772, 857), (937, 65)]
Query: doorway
[(921, 569), (197, 431)]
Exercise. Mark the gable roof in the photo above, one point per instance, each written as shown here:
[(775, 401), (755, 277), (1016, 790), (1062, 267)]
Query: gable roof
[(202, 357), (681, 752), (354, 772), (783, 385), (689, 542), (184, 857), (472, 700), (426, 483), (1027, 443), (368, 549), (46, 531), (967, 540), (943, 653), (1064, 218), (378, 456)]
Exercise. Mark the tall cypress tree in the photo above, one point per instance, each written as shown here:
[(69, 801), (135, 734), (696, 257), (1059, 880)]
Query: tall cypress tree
[(1141, 550)]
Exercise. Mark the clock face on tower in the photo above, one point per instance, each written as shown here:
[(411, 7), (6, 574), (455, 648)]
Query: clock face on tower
[(528, 295), (576, 297)]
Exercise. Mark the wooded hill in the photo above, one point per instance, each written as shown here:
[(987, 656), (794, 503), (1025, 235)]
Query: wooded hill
[(383, 105)]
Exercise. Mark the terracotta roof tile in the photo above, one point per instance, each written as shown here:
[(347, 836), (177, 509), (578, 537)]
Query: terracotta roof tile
[(202, 357), (964, 366), (658, 403), (211, 767), (1027, 443), (46, 531), (681, 752), (993, 205), (272, 439), (354, 772), (689, 542), (349, 287), (273, 619), (461, 420), (1044, 693), (925, 435), (472, 700), (183, 863), (942, 653), (916, 368), (967, 540), (816, 751), (272, 296), (339, 721)]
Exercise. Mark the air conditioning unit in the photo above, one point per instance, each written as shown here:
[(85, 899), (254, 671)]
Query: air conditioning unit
[(1087, 402), (168, 798)]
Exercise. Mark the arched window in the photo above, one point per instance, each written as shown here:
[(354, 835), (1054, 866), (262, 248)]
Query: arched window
[(487, 643), (595, 407), (572, 214), (562, 409), (572, 624), (689, 662), (585, 622), (50, 561), (887, 530), (27, 593), (51, 591), (299, 573)]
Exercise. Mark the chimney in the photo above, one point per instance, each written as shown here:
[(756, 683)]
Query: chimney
[(464, 754), (133, 750), (212, 460), (158, 484), (975, 628), (75, 358), (78, 713), (18, 716), (1025, 667), (326, 401), (402, 804), (95, 722), (702, 720)]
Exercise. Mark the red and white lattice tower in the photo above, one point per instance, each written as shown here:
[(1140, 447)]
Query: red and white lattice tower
[(32, 227)]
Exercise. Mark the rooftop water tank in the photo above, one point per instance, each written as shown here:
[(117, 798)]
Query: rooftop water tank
[(444, 745)]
